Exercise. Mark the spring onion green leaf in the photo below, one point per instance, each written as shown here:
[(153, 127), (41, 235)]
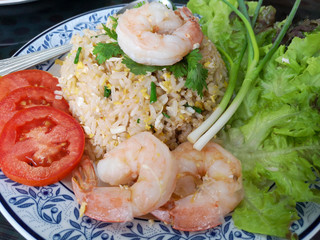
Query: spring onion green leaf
[(153, 93), (138, 120), (165, 114), (106, 92), (76, 59), (197, 109), (256, 13)]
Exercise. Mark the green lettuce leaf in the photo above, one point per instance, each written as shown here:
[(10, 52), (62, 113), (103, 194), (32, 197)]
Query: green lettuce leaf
[(276, 135), (221, 26)]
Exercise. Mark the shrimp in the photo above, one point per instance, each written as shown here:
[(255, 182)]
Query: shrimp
[(209, 186), (144, 163), (155, 35)]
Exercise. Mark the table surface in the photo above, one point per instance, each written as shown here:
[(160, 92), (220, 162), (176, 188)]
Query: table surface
[(21, 22)]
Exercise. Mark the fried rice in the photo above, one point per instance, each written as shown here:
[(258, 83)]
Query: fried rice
[(107, 121)]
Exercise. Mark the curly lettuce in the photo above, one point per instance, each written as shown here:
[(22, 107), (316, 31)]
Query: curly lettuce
[(275, 131)]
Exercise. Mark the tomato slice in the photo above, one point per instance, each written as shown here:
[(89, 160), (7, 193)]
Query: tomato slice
[(33, 77), (40, 146), (26, 97)]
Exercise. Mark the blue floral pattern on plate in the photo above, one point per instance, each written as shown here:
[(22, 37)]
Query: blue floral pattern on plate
[(51, 212)]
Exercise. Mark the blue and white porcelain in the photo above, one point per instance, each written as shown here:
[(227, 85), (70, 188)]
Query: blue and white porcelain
[(51, 212)]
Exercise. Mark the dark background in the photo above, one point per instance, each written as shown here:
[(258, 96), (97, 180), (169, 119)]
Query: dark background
[(20, 23)]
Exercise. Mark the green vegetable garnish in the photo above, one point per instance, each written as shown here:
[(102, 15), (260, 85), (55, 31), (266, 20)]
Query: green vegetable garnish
[(197, 74), (197, 109), (110, 32), (273, 120), (106, 92), (76, 59), (137, 68), (139, 4), (180, 69), (115, 20), (138, 120), (105, 51), (153, 93), (166, 115), (255, 65), (189, 67)]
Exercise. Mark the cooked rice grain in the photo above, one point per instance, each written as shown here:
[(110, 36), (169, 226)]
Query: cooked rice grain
[(109, 121)]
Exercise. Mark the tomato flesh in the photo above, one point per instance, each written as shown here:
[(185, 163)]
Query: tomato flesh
[(26, 97), (32, 77), (40, 146)]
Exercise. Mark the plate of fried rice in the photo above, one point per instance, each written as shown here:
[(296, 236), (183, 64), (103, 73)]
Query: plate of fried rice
[(52, 212)]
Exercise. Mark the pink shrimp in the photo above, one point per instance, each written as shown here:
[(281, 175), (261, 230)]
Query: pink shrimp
[(209, 186), (155, 35), (144, 163)]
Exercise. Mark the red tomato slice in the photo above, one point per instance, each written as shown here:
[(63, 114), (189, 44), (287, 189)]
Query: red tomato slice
[(28, 97), (37, 78), (40, 146)]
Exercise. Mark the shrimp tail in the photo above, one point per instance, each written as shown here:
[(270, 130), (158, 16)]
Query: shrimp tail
[(203, 216), (109, 204), (192, 26)]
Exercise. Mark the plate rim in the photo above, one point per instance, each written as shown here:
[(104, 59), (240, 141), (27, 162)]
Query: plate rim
[(21, 227)]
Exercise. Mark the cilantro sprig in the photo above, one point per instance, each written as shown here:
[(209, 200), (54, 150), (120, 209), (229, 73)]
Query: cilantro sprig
[(197, 74), (189, 67), (105, 51), (137, 68), (110, 32)]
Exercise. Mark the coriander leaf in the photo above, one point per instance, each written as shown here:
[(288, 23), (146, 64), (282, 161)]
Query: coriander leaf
[(180, 69), (139, 4), (193, 58), (104, 51), (137, 68), (110, 32), (115, 20), (197, 74), (197, 109)]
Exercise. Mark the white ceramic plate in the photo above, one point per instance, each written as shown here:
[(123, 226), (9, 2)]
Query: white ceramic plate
[(13, 2), (51, 212)]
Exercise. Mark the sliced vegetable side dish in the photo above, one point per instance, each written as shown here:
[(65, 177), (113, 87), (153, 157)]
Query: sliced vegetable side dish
[(41, 142), (26, 97), (40, 146), (25, 78)]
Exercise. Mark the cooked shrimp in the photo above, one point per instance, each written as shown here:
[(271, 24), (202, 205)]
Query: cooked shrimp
[(144, 163), (155, 35), (209, 186)]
